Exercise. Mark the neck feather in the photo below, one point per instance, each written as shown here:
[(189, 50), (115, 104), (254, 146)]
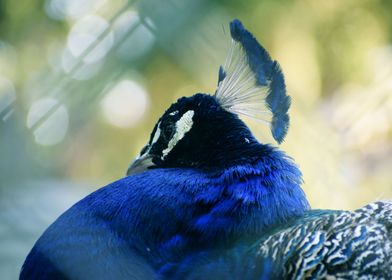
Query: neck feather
[(238, 204), (248, 199)]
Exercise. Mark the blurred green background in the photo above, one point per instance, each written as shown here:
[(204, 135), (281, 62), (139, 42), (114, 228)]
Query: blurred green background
[(82, 83)]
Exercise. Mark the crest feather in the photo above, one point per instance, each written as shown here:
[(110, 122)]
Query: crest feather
[(252, 84)]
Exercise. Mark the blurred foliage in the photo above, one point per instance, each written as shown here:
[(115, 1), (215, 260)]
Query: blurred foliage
[(82, 82)]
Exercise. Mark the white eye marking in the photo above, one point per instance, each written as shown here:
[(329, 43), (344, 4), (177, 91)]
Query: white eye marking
[(173, 113), (156, 135), (183, 125), (153, 141)]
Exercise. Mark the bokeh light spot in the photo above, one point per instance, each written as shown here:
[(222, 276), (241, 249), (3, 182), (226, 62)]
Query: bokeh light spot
[(139, 41), (73, 9), (53, 127), (125, 104), (84, 35), (83, 71)]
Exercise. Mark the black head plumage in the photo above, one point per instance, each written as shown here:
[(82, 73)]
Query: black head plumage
[(204, 131)]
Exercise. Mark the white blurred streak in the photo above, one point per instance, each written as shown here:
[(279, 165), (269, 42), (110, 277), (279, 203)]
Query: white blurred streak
[(381, 59), (364, 113), (55, 8), (369, 126), (51, 130), (83, 71), (360, 116), (139, 42), (8, 61), (125, 104), (125, 22), (85, 52), (71, 9), (7, 93), (77, 8), (84, 34)]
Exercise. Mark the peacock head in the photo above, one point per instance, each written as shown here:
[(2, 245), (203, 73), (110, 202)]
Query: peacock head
[(204, 131)]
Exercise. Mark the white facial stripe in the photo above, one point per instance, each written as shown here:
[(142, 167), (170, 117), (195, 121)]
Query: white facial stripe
[(183, 125), (156, 135), (154, 140)]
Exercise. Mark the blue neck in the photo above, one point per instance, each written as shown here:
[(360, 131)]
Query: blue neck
[(237, 204), (248, 199)]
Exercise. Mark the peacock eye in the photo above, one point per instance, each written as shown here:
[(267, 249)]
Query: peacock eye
[(168, 132)]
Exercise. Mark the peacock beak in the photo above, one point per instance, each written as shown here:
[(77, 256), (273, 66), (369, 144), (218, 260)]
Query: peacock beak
[(140, 164)]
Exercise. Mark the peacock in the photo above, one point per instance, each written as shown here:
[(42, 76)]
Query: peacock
[(206, 200)]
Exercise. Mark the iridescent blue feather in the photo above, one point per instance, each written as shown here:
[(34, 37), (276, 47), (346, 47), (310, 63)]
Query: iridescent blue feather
[(244, 95)]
